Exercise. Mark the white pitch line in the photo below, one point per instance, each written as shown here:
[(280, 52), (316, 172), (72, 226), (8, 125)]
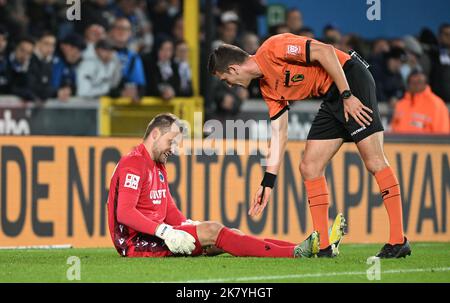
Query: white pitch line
[(310, 275)]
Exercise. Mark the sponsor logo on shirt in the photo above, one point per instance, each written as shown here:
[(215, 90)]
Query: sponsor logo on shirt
[(131, 181), (157, 195), (161, 176)]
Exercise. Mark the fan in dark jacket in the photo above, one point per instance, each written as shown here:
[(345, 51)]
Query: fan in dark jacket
[(41, 66), (17, 69), (161, 72)]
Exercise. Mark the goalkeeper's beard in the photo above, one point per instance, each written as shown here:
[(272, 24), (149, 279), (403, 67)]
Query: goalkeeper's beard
[(160, 156)]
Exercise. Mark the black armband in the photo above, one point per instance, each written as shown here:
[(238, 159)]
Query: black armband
[(268, 180)]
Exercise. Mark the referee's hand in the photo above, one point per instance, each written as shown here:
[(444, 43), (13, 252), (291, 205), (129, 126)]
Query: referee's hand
[(358, 111), (259, 204)]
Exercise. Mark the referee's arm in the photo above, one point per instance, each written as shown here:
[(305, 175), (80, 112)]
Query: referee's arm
[(325, 54), (278, 142)]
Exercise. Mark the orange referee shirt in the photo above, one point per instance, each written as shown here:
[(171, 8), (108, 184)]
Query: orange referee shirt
[(423, 113), (288, 73)]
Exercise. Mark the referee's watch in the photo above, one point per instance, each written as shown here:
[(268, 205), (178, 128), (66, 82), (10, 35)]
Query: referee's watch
[(346, 94)]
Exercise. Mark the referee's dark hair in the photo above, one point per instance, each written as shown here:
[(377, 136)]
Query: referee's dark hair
[(163, 122), (225, 55)]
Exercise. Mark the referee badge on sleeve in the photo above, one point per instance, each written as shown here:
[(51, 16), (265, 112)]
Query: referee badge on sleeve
[(293, 50), (131, 181)]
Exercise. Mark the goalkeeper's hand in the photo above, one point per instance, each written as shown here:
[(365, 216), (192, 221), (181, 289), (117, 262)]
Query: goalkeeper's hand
[(178, 241)]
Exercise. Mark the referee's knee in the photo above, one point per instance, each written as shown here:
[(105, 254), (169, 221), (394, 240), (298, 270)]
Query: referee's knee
[(310, 170), (375, 165)]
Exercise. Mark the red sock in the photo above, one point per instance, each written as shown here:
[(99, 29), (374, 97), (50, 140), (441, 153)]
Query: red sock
[(247, 246), (280, 242), (318, 205), (390, 192)]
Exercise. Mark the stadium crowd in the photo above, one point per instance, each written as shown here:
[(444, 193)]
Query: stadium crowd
[(135, 48), (126, 48)]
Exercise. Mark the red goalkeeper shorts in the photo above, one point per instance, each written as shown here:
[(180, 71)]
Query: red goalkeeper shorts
[(151, 246)]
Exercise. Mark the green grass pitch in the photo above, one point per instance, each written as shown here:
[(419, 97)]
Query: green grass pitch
[(429, 262)]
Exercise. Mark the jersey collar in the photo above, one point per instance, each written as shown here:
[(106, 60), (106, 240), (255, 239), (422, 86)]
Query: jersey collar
[(146, 155)]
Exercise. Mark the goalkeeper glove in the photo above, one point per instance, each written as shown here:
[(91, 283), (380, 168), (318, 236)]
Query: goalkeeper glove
[(178, 241)]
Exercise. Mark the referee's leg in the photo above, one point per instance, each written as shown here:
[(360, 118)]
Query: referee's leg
[(372, 153), (312, 168)]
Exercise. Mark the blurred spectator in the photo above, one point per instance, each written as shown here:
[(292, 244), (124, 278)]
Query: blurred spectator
[(140, 25), (92, 35), (380, 47), (13, 17), (354, 42), (98, 75), (181, 59), (228, 100), (132, 84), (332, 35), (228, 29), (389, 81), (44, 15), (41, 67), (420, 111), (278, 29), (307, 32), (94, 12), (398, 43), (161, 72), (440, 64), (4, 85), (127, 9), (251, 9), (144, 37), (428, 39), (18, 64), (416, 61), (294, 20), (376, 58), (178, 28), (65, 64), (162, 13), (250, 43)]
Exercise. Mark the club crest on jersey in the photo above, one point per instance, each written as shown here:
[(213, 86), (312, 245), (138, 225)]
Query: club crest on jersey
[(293, 50), (131, 181), (161, 176)]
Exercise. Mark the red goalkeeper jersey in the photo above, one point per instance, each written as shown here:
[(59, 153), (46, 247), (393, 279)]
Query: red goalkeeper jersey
[(139, 199)]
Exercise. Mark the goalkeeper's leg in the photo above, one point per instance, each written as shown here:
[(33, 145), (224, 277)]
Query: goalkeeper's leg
[(241, 245)]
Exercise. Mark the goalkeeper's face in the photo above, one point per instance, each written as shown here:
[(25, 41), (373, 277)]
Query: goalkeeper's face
[(166, 144)]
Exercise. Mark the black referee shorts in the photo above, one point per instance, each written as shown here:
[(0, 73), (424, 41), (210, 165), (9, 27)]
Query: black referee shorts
[(329, 122)]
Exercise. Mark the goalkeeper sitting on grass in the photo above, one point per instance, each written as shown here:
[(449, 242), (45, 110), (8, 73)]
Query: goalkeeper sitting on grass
[(145, 222)]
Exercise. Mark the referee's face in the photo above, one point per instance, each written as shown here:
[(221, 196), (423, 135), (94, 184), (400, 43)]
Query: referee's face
[(235, 76)]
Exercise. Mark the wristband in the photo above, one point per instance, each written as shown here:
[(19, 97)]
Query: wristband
[(268, 180), (162, 230)]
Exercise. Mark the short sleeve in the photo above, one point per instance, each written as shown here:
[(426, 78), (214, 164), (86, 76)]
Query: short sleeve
[(276, 108), (294, 50)]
